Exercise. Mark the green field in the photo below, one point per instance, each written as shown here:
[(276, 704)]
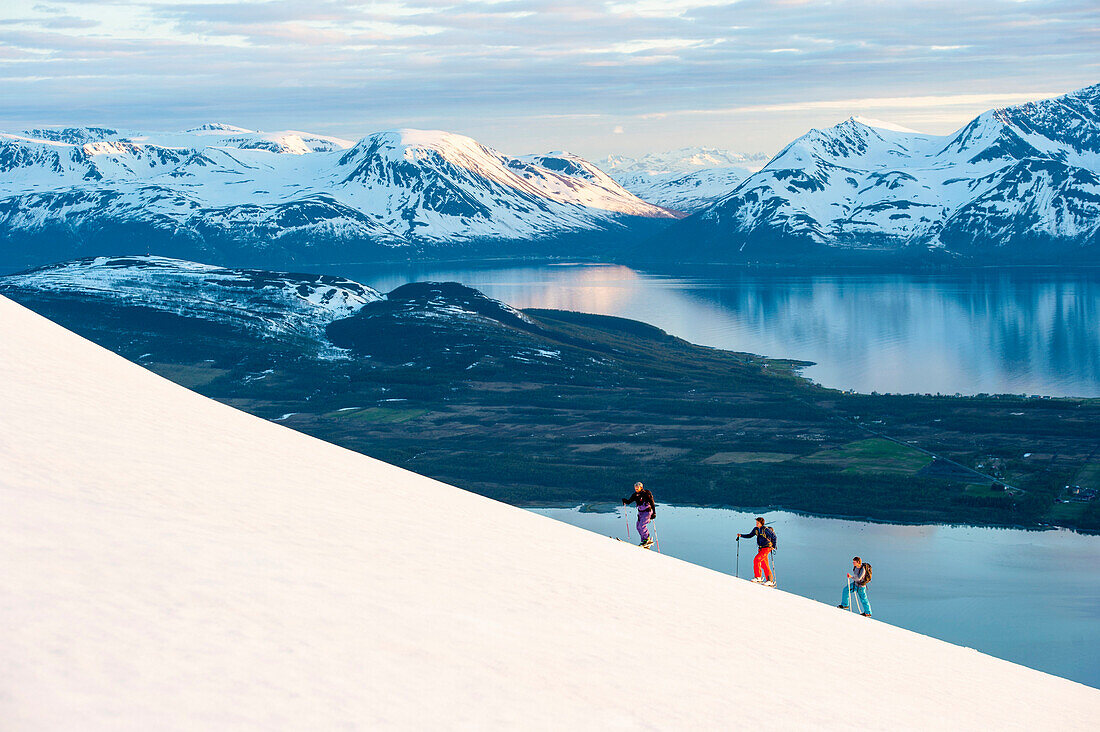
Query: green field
[(1060, 512), (1089, 476), (737, 458), (874, 455), (189, 375), (984, 490)]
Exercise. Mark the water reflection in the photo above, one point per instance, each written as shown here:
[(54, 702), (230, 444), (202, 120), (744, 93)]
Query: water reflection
[(995, 332), (1027, 596)]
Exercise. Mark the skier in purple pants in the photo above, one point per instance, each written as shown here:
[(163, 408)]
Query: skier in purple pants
[(647, 511)]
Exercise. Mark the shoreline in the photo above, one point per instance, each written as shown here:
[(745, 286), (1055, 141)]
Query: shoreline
[(574, 505)]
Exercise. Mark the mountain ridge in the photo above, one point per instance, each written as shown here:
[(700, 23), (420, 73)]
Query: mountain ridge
[(234, 196), (1017, 184)]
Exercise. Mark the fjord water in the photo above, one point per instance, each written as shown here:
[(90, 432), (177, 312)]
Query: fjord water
[(973, 332), (1031, 597)]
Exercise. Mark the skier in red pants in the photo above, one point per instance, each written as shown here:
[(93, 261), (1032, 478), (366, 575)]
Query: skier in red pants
[(765, 540)]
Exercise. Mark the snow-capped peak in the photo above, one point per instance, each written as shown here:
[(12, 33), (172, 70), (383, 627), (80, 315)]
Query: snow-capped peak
[(218, 127), (453, 175), (684, 160), (881, 125), (569, 164), (687, 180), (436, 139)]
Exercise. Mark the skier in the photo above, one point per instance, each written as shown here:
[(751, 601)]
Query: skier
[(765, 541), (647, 511), (858, 579)]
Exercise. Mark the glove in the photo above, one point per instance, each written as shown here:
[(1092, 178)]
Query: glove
[(624, 501), (738, 537)]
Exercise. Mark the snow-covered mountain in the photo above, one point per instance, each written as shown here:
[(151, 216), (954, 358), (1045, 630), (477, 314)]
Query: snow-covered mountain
[(684, 180), (1017, 184), (685, 192), (684, 160), (208, 135), (226, 194), (173, 563), (270, 304)]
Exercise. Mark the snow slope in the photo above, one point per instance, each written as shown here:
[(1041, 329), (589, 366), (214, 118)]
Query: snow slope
[(172, 563), (1017, 184), (225, 194)]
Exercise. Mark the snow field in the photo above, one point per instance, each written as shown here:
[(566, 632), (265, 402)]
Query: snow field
[(172, 563)]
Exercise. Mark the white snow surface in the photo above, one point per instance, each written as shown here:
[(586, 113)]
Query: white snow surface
[(172, 563)]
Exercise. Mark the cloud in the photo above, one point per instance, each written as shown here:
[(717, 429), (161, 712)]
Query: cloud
[(53, 22), (756, 70), (916, 102)]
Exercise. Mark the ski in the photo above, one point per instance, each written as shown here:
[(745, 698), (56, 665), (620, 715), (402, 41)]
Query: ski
[(651, 545)]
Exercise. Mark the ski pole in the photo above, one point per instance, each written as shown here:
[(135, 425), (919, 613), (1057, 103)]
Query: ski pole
[(626, 517), (737, 565)]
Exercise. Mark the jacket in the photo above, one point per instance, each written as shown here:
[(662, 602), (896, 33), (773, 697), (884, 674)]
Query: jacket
[(765, 537), (643, 498)]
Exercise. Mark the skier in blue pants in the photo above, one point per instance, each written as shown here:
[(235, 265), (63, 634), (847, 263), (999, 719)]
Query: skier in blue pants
[(858, 580)]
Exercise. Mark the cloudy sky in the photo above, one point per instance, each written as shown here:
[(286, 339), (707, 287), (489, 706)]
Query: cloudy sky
[(589, 76)]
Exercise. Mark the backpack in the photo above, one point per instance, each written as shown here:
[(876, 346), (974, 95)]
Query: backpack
[(769, 533), (867, 576)]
